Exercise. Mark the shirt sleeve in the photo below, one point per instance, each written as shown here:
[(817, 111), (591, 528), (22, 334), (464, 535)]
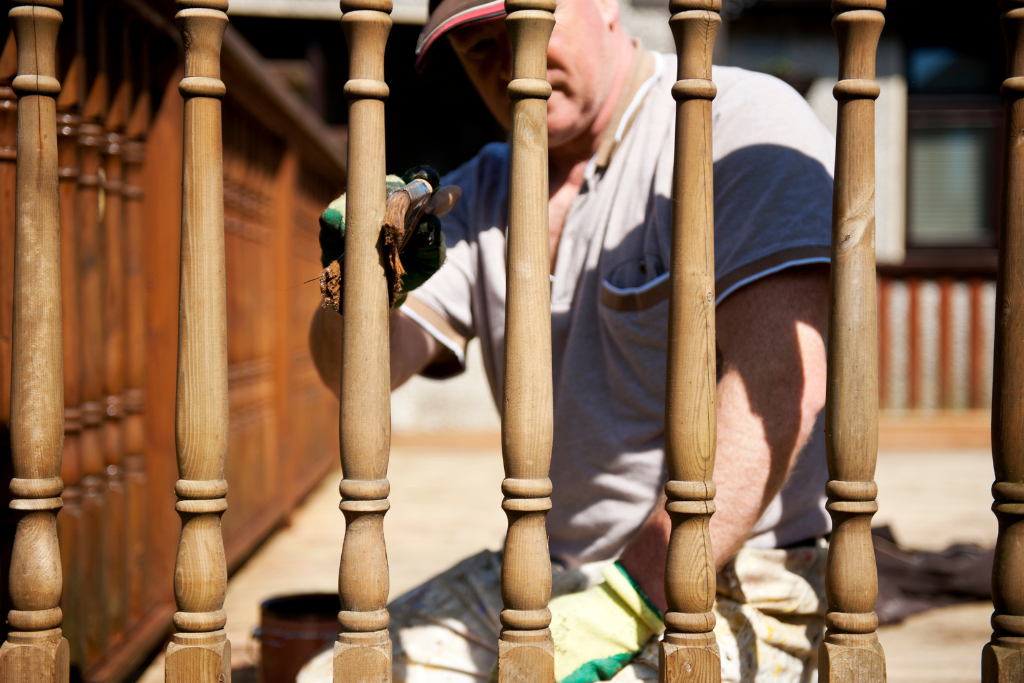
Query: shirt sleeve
[(443, 305), (773, 167)]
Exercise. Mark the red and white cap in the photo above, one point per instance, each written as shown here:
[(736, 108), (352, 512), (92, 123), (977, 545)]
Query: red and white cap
[(448, 15)]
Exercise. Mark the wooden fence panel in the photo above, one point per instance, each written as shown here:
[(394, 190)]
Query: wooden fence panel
[(124, 147)]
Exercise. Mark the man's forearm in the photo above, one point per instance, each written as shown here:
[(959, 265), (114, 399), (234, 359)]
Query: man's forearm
[(744, 483), (325, 347), (412, 349)]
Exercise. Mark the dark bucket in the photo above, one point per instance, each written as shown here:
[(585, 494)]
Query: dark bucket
[(293, 629)]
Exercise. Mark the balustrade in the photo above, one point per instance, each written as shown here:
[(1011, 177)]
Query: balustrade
[(75, 170)]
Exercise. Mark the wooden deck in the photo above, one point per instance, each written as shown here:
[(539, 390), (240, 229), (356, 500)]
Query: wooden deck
[(445, 505)]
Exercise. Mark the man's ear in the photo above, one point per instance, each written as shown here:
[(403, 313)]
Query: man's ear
[(609, 10)]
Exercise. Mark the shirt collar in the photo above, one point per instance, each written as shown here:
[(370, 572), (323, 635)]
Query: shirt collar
[(643, 72)]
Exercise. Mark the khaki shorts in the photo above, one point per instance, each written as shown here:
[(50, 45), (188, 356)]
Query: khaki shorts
[(770, 610)]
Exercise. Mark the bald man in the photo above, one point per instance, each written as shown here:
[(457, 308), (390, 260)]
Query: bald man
[(611, 125)]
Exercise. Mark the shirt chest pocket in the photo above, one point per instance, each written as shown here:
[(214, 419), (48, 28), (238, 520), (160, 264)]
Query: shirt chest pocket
[(634, 341)]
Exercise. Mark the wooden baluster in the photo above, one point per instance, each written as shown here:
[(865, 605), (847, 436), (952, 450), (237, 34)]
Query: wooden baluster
[(525, 649), (35, 649), (71, 518), (115, 556), (91, 293), (8, 159), (363, 650), (199, 650), (90, 268), (850, 651), (135, 351), (1002, 660), (689, 651)]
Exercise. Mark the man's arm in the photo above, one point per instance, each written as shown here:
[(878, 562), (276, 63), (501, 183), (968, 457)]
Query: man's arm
[(771, 338), (412, 349)]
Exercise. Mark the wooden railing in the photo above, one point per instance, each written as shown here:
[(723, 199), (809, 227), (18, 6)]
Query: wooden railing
[(935, 338), (245, 223), (119, 156)]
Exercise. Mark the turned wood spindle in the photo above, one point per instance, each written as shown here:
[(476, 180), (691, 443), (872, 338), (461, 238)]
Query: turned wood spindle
[(689, 650), (111, 150), (8, 183), (850, 651), (525, 649), (71, 519), (199, 650), (90, 262), (135, 354), (363, 650), (35, 649), (1002, 659)]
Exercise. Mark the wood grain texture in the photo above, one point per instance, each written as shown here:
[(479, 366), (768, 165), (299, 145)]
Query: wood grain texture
[(115, 557), (8, 187), (525, 648), (689, 651), (135, 477), (35, 649), (1002, 659), (276, 236), (850, 651), (90, 291), (199, 650), (8, 159), (363, 650), (96, 507), (70, 520)]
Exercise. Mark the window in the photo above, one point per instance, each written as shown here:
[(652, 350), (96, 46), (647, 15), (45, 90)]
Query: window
[(951, 178), (943, 70), (953, 147)]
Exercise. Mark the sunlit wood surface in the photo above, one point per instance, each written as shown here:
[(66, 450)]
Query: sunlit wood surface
[(432, 489)]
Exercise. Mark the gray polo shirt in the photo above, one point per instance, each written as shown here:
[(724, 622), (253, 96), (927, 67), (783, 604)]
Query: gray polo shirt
[(773, 165)]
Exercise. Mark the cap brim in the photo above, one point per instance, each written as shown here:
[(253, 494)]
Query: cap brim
[(449, 15)]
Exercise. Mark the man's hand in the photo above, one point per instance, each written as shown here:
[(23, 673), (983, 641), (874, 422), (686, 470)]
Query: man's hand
[(771, 387), (412, 349), (420, 256)]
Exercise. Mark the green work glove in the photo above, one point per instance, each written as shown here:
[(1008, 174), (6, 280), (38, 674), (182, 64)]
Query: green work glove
[(422, 256), (598, 631)]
